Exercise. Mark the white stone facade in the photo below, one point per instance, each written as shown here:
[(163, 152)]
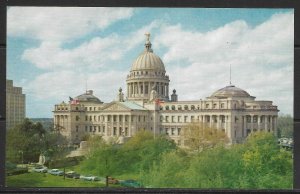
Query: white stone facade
[(148, 106)]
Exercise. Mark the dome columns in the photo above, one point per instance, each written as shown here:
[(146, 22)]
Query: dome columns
[(142, 89)]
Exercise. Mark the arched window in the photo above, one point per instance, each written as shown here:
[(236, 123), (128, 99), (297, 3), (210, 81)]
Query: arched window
[(179, 107), (215, 105), (206, 105), (192, 107), (186, 107), (173, 107), (167, 107)]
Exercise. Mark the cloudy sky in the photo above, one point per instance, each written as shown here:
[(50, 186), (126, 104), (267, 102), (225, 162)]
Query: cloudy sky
[(53, 52)]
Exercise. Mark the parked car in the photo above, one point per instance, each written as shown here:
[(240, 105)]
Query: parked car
[(42, 169), (72, 174), (130, 183), (56, 172), (89, 178), (112, 180)]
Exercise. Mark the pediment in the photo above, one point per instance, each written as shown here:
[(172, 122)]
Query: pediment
[(116, 107)]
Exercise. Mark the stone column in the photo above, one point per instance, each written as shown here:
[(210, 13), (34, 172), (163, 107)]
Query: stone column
[(112, 125), (258, 122), (266, 122), (271, 123), (167, 91), (251, 121), (245, 126)]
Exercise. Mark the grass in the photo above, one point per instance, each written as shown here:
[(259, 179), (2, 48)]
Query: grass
[(34, 179)]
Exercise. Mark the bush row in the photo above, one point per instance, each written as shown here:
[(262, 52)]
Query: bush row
[(60, 163)]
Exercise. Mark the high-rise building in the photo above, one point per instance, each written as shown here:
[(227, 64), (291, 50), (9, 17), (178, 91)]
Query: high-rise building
[(149, 106), (15, 105)]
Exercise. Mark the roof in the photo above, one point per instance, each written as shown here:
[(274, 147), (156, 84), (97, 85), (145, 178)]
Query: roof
[(132, 105), (147, 60), (230, 91), (88, 97)]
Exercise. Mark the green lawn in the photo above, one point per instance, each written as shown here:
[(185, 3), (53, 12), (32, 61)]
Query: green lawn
[(34, 179)]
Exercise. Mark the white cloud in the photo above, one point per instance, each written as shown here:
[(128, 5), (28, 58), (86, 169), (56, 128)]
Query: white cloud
[(62, 84), (61, 23), (261, 59), (94, 53)]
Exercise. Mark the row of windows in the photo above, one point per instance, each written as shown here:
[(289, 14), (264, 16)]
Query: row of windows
[(171, 131), (92, 129), (180, 119), (62, 108), (113, 118), (192, 107), (146, 73)]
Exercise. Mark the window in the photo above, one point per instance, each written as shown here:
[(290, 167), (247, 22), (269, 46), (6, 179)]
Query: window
[(85, 108), (179, 107), (186, 107), (77, 128), (192, 118), (91, 128), (76, 108), (173, 131), (90, 108), (161, 118), (192, 107), (173, 120), (215, 105), (77, 118), (185, 119), (86, 118), (99, 129), (207, 106), (103, 129), (90, 118), (114, 118), (86, 128), (222, 105), (94, 108), (178, 131), (167, 118), (255, 119), (179, 119), (95, 128), (108, 118), (248, 119), (167, 107), (167, 131), (173, 107), (95, 119), (126, 131)]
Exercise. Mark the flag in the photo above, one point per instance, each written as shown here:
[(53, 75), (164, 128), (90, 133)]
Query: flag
[(158, 102), (75, 102)]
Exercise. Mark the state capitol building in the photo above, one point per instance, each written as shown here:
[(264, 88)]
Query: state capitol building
[(149, 105)]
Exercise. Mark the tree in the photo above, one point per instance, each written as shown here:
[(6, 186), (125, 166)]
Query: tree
[(28, 140), (198, 136), (285, 126)]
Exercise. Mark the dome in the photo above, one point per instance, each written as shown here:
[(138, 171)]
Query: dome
[(148, 60), (88, 97), (230, 91)]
